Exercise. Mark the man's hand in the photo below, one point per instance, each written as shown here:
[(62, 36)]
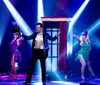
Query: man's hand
[(21, 33), (58, 33), (21, 36)]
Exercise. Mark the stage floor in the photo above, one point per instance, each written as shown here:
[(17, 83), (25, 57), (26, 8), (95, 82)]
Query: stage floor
[(6, 80)]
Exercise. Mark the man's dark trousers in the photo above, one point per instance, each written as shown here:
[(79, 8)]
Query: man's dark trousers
[(37, 54)]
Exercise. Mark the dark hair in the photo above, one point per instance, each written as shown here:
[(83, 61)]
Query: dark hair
[(85, 33), (15, 29), (40, 24)]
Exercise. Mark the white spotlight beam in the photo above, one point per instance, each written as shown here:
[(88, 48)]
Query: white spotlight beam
[(2, 32), (94, 27), (22, 24), (40, 14), (71, 24), (40, 10), (78, 13), (97, 41)]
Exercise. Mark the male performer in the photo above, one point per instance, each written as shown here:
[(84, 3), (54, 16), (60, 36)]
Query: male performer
[(39, 51)]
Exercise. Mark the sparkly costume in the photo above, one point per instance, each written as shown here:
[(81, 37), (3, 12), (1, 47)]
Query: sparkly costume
[(84, 51), (14, 50)]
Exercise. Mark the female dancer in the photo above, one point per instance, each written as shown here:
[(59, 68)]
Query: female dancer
[(16, 55), (83, 53)]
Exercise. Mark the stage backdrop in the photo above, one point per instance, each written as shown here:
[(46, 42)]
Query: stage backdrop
[(58, 49)]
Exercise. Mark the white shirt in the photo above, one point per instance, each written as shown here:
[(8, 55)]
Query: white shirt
[(39, 41)]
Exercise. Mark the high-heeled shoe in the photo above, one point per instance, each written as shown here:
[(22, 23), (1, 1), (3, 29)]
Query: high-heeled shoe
[(14, 77), (11, 75)]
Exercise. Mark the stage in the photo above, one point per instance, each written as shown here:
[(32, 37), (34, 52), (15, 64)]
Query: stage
[(6, 80), (70, 29)]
